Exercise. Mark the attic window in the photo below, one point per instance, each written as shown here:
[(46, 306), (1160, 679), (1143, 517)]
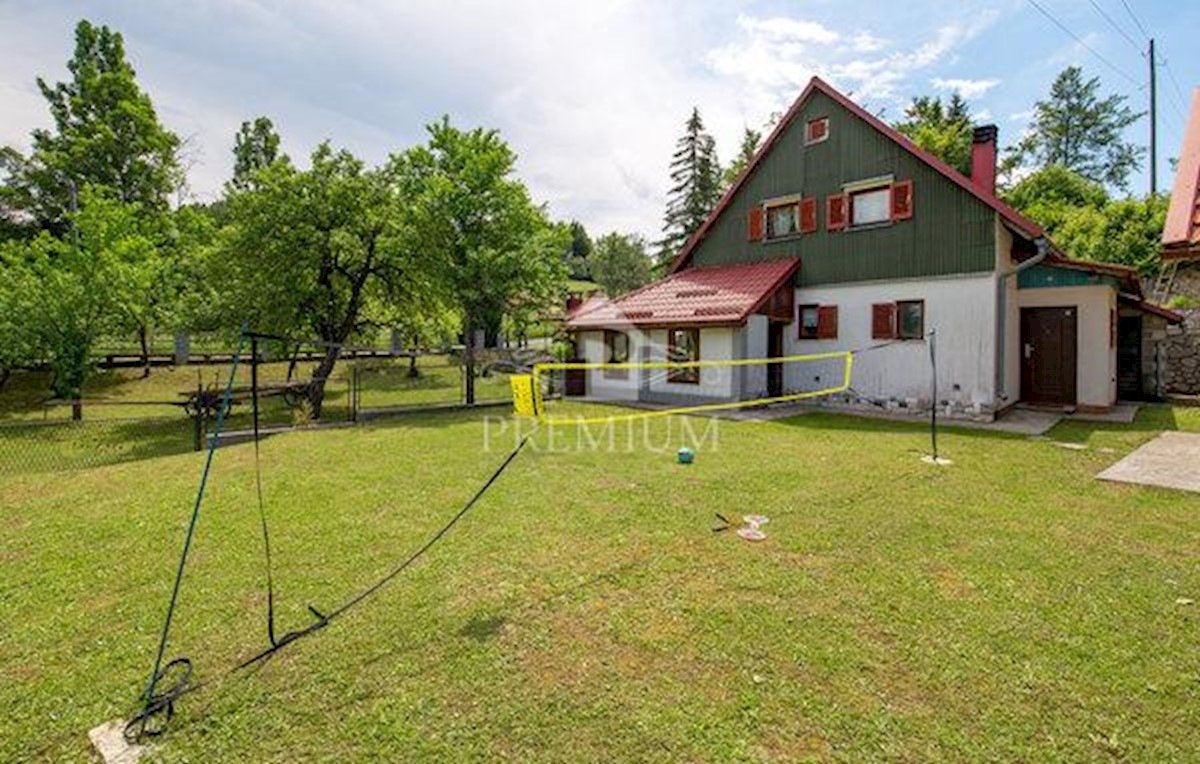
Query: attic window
[(870, 206), (783, 219), (816, 130)]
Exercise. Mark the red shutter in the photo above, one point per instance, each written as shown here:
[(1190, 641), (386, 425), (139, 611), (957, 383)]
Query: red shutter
[(808, 215), (835, 212), (827, 322), (754, 224), (902, 201), (883, 321)]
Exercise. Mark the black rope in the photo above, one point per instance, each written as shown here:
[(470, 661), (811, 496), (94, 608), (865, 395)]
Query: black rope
[(323, 620), (262, 512)]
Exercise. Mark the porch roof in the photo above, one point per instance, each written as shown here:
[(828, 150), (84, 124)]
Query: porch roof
[(717, 295)]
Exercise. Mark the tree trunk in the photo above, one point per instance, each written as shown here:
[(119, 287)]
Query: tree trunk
[(469, 362), (413, 371), (145, 343), (5, 373), (77, 410), (316, 387)]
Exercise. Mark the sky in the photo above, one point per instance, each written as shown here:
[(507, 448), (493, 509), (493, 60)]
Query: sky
[(591, 95)]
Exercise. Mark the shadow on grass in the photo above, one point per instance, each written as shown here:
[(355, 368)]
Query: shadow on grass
[(32, 448)]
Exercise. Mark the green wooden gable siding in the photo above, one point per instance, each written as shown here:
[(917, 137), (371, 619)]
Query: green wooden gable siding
[(950, 232), (1042, 276)]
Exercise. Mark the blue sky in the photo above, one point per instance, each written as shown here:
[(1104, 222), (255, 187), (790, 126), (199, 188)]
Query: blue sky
[(591, 95)]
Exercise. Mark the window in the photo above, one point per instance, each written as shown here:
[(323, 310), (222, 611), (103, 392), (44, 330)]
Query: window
[(783, 220), (816, 130), (872, 205), (683, 345), (810, 317), (616, 350), (910, 319)]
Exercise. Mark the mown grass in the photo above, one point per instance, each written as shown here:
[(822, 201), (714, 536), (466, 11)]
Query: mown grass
[(1010, 607)]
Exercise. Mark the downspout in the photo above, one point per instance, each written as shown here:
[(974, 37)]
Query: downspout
[(1043, 249)]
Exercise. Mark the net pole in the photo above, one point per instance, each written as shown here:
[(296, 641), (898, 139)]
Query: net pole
[(934, 406)]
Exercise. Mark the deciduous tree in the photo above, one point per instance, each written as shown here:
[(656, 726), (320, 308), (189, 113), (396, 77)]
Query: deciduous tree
[(942, 129), (620, 263)]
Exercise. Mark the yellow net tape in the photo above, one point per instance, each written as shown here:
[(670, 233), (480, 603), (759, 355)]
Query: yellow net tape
[(538, 408)]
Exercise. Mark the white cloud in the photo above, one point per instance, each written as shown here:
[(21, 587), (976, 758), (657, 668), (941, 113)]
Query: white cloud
[(965, 88)]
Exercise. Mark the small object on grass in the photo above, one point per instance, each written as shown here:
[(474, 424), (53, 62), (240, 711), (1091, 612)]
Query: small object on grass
[(940, 461), (756, 520), (1185, 601), (109, 741), (1070, 446), (685, 455), (752, 534), (723, 523)]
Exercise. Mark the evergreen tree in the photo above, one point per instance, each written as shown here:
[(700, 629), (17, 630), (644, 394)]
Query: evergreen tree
[(255, 146), (1077, 129), (695, 189), (106, 134), (751, 139), (942, 129), (579, 251)]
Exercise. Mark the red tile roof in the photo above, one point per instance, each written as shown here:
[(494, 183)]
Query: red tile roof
[(1016, 219), (722, 294), (1181, 234)]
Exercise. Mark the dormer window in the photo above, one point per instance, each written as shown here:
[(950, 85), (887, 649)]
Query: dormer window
[(816, 130)]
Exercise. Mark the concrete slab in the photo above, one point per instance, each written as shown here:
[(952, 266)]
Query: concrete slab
[(109, 741), (1172, 460), (1122, 413)]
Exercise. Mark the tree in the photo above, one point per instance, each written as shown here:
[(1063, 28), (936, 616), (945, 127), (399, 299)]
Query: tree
[(1080, 217), (106, 133), (477, 223), (942, 129), (620, 263), (255, 147), (68, 291), (695, 189), (579, 251), (1077, 129), (751, 139), (320, 253)]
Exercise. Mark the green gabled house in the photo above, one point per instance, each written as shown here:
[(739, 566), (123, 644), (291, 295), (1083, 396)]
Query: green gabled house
[(841, 234)]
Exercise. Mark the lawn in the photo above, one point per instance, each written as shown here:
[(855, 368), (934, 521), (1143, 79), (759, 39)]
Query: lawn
[(1009, 607)]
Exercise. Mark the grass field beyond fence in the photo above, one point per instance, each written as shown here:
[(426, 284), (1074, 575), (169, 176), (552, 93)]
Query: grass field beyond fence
[(1010, 607)]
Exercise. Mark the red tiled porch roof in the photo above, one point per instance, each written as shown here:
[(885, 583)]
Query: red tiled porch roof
[(1181, 233), (716, 295)]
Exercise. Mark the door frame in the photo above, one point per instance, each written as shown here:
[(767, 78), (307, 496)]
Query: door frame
[(1068, 368), (775, 339)]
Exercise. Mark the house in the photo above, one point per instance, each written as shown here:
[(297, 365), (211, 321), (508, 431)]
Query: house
[(1180, 275), (841, 234)]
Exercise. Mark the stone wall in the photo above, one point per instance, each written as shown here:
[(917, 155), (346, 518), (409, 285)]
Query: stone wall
[(1182, 351)]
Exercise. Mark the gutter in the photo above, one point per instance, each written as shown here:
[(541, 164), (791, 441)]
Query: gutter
[(1043, 250)]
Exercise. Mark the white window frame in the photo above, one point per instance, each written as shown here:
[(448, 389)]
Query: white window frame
[(815, 141), (792, 200), (881, 183)]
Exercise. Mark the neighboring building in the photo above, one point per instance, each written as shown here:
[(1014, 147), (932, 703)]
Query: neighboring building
[(1179, 279), (841, 235)]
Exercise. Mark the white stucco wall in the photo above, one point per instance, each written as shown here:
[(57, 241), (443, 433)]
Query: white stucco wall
[(962, 310), (717, 343), (1096, 360)]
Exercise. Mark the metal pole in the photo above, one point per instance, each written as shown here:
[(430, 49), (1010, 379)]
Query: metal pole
[(933, 409), (1153, 124)]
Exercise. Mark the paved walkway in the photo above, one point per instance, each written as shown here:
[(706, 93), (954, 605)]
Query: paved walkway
[(1172, 460)]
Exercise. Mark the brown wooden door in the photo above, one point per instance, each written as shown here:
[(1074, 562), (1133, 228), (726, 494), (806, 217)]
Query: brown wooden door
[(1048, 355), (775, 350)]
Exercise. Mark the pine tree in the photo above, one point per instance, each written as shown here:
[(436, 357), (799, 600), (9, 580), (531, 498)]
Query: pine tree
[(695, 189), (1078, 130), (942, 129), (746, 151)]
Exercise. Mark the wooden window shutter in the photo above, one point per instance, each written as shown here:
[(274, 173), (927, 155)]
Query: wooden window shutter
[(883, 321), (808, 215), (835, 212), (827, 322), (902, 200), (754, 224)]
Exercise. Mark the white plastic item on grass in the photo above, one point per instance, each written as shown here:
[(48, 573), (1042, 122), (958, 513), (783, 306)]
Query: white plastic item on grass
[(752, 534)]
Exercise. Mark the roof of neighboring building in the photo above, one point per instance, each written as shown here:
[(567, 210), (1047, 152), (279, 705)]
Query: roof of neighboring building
[(718, 295), (1137, 302), (1014, 218), (1181, 233)]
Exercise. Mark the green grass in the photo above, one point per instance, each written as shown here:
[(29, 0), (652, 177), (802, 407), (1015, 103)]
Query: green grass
[(1009, 607)]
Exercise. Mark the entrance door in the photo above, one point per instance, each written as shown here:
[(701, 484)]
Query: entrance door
[(1048, 353), (1129, 357), (775, 350)]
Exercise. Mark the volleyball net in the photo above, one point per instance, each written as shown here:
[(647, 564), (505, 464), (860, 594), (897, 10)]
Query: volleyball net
[(575, 392)]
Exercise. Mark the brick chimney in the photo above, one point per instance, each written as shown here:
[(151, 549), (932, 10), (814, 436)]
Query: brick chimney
[(983, 158)]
